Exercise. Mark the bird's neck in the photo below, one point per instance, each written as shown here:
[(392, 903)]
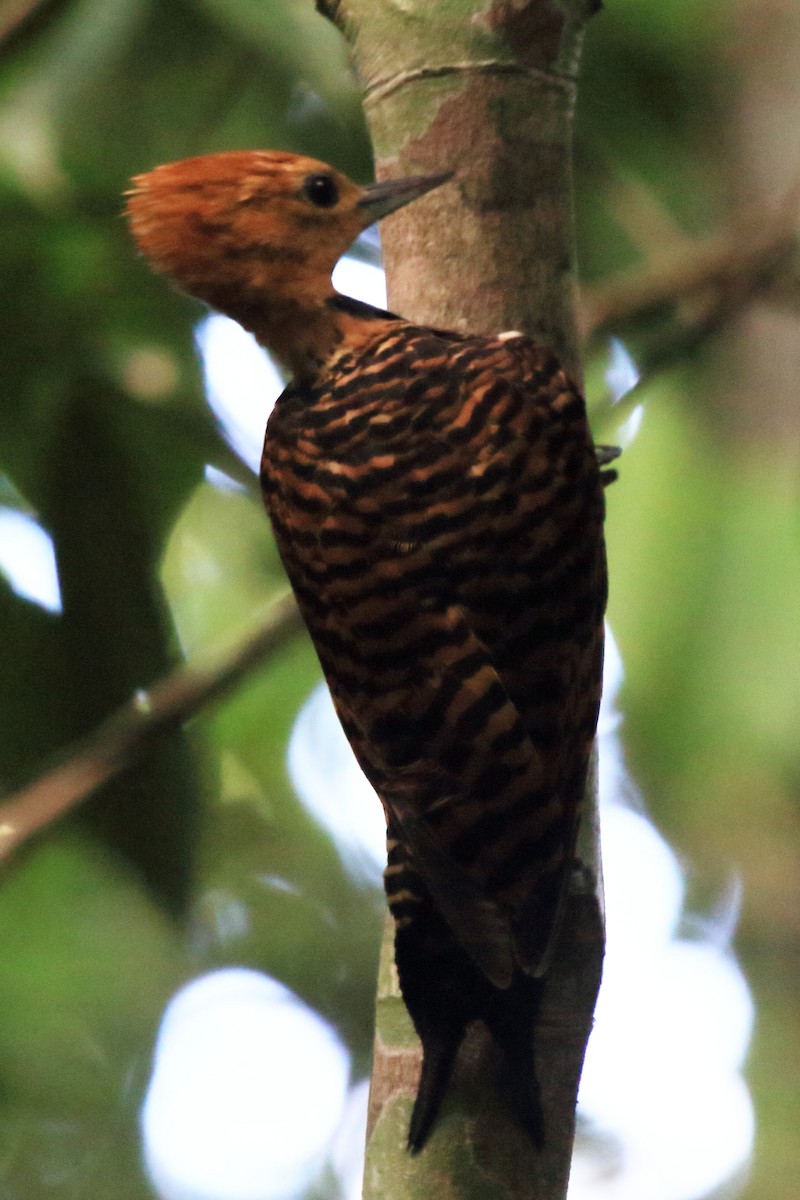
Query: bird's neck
[(308, 334)]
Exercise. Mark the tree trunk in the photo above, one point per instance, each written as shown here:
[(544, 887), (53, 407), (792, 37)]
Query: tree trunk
[(487, 90)]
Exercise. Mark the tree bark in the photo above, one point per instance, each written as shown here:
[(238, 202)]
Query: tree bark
[(485, 88)]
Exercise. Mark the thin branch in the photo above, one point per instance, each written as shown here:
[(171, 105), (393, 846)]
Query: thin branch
[(724, 271), (127, 733), (18, 17)]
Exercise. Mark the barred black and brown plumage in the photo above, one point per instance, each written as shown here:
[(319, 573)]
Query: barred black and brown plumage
[(438, 505)]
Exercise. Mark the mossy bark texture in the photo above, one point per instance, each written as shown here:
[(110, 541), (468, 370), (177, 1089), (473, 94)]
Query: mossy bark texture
[(486, 89)]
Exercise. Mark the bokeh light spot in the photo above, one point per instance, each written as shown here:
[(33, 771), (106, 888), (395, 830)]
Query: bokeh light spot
[(247, 1091)]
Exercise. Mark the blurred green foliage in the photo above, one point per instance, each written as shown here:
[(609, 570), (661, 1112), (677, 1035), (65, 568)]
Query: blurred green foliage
[(104, 437)]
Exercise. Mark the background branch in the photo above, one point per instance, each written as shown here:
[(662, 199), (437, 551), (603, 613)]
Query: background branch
[(19, 18), (719, 274), (127, 733)]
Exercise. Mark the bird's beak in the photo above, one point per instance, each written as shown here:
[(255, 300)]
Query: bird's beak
[(380, 199)]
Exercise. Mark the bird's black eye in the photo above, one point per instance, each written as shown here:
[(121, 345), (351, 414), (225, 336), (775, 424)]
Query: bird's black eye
[(321, 190)]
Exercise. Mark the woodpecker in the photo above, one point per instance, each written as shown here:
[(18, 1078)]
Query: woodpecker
[(438, 505)]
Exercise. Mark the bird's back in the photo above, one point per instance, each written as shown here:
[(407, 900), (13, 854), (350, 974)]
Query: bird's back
[(439, 509)]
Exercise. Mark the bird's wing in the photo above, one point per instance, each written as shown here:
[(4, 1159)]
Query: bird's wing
[(478, 924), (446, 750)]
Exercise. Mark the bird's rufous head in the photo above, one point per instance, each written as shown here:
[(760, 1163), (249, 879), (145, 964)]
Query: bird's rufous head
[(252, 230)]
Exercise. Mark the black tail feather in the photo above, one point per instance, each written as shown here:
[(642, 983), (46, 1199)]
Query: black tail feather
[(511, 1019), (528, 1103), (444, 992), (437, 1066)]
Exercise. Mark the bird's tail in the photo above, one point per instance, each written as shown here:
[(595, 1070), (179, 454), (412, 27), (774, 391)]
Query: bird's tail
[(439, 1056), (445, 992), (511, 1018)]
